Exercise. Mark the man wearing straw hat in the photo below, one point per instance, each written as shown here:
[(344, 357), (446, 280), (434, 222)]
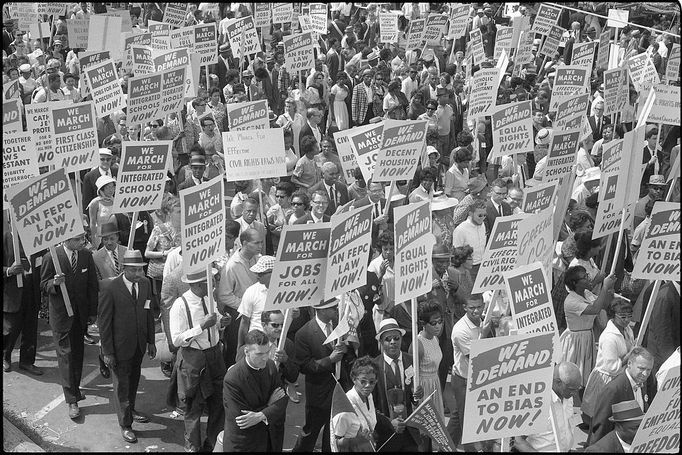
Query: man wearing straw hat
[(626, 417), (126, 325), (199, 381)]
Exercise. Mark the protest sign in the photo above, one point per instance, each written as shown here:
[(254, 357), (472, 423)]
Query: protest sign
[(87, 60), (142, 59), (349, 249), (45, 211), (583, 54), (413, 248), (78, 31), (503, 41), (604, 48), (659, 255), (617, 18), (546, 17), (299, 274), (458, 21), (666, 107), (282, 13), (105, 88), (483, 92), (429, 421), (672, 70), (528, 288), (249, 115), (388, 26), (539, 197), (318, 17), (26, 14), (305, 22), (74, 139), (508, 387), (512, 127), (476, 38), (416, 36), (299, 54), (130, 39), (434, 29), (52, 8), (613, 87), (203, 224), (524, 54), (160, 35), (570, 81), (630, 172), (608, 217), (11, 116), (38, 29), (175, 14), (11, 90), (659, 432), (551, 43), (254, 154), (571, 107), (19, 160), (141, 176), (262, 15), (243, 26), (206, 43), (520, 25), (155, 95), (562, 154), (124, 15), (499, 255), (346, 155), (179, 59), (402, 144), (104, 34), (642, 70), (365, 141), (39, 124), (535, 239)]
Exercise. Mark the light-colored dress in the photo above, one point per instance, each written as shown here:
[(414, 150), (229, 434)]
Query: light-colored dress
[(577, 341), (103, 213), (348, 424), (428, 371), (339, 106)]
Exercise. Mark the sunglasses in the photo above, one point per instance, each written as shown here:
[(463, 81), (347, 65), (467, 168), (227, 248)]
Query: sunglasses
[(297, 203), (434, 323), (275, 325), (280, 196), (154, 126), (391, 338), (365, 383)]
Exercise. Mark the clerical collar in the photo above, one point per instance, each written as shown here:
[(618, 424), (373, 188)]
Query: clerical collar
[(251, 366)]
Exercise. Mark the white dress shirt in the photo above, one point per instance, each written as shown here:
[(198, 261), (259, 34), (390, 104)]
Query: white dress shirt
[(181, 333)]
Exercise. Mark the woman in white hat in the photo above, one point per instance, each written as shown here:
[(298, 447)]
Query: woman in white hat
[(443, 224), (100, 208)]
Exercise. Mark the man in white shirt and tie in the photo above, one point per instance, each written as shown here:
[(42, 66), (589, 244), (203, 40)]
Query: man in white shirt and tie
[(337, 190), (411, 82)]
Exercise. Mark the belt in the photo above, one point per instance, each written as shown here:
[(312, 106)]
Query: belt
[(583, 330), (202, 350)]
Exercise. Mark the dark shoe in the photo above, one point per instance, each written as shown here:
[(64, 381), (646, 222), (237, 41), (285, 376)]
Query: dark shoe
[(6, 366), (128, 435), (74, 411), (89, 340), (104, 369), (31, 369), (80, 397), (140, 418), (166, 369)]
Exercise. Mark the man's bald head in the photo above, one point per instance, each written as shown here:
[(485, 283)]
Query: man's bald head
[(567, 379)]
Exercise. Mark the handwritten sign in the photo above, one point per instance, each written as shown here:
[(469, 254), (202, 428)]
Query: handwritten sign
[(254, 153)]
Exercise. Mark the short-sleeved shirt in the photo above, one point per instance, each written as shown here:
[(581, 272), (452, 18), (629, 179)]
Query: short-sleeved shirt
[(463, 333), (306, 171), (468, 233), (252, 304), (574, 305)]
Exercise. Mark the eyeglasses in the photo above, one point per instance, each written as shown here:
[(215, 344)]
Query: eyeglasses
[(320, 202), (392, 338), (437, 322), (624, 315), (154, 126), (499, 193), (210, 125), (365, 383), (297, 203), (280, 196), (275, 325)]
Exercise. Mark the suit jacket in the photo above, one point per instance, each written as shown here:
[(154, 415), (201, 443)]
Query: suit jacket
[(89, 188), (334, 63), (82, 287), (359, 104), (596, 133), (141, 233), (491, 214), (187, 183), (105, 264), (607, 444), (426, 92), (125, 323), (11, 293), (341, 194), (615, 391), (306, 131), (313, 361), (308, 219)]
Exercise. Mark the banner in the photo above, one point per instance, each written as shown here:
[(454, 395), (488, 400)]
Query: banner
[(672, 70), (87, 60), (104, 34), (666, 107), (245, 26), (318, 17), (160, 35), (430, 422), (78, 31), (141, 176), (562, 154), (583, 55), (615, 95), (299, 274), (203, 224), (458, 21), (11, 116), (478, 52), (570, 81), (365, 141), (282, 13), (604, 49), (546, 17), (535, 240), (175, 14), (249, 115), (512, 127), (388, 26), (434, 29), (349, 249), (415, 38), (74, 141), (45, 211), (566, 110), (503, 41), (552, 41), (642, 70), (19, 160), (659, 432), (539, 197), (499, 255), (402, 145), (105, 88), (299, 54), (346, 155), (509, 387), (483, 92), (659, 255), (413, 248), (175, 60), (254, 154)]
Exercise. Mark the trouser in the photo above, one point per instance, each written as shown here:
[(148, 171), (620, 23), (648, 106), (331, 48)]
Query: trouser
[(474, 272), (369, 115), (315, 420), (230, 338), (193, 413), (458, 385), (70, 352), (126, 378), (24, 322)]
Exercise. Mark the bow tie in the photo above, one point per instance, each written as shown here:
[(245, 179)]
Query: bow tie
[(636, 387)]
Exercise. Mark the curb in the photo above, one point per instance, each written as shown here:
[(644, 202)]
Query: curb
[(14, 440)]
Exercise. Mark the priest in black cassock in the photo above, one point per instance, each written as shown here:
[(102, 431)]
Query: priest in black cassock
[(253, 397)]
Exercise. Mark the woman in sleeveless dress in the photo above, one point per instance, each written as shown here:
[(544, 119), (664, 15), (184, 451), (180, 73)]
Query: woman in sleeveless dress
[(430, 355), (337, 99), (100, 208)]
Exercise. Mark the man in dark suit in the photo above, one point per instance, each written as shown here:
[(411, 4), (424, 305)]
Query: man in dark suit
[(269, 90), (274, 98), (598, 120), (198, 165), (319, 201), (220, 68), (622, 388), (311, 128), (126, 325), (330, 183), (375, 197), (80, 276), (395, 395), (317, 361), (496, 205), (89, 190), (334, 58), (627, 416), (428, 90)]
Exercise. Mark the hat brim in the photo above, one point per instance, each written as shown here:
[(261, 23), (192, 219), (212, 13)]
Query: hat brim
[(184, 278), (435, 206), (381, 332), (133, 264), (629, 419)]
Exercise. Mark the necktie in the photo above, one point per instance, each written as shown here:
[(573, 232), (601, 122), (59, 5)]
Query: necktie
[(116, 265), (396, 373), (134, 293), (328, 329), (598, 125), (74, 262), (203, 305), (637, 391), (377, 210), (332, 199)]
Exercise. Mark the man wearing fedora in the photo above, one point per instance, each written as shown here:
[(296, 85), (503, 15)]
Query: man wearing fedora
[(89, 189), (655, 192), (80, 276), (126, 325), (198, 165), (395, 395), (200, 380), (317, 361), (626, 417)]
